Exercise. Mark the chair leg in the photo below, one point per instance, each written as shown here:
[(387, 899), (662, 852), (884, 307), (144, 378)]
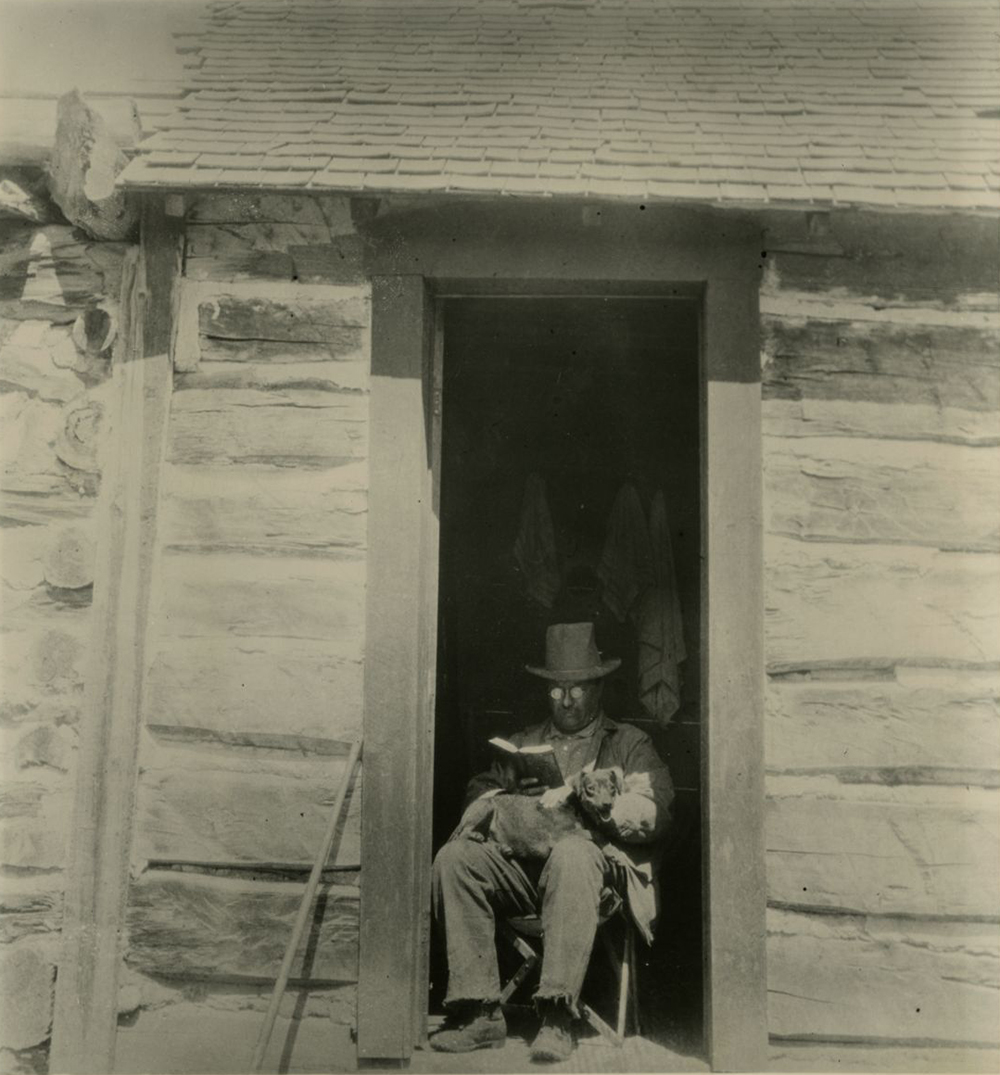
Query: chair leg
[(624, 985), (600, 1025), (529, 959), (633, 981)]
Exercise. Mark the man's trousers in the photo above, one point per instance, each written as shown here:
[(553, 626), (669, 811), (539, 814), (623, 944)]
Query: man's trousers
[(474, 885)]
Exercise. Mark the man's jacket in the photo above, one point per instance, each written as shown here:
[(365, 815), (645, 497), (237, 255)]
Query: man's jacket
[(641, 813)]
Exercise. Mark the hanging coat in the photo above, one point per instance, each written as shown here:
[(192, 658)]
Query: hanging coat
[(626, 566), (659, 627), (535, 546)]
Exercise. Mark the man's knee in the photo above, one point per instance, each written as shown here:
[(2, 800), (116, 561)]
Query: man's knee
[(576, 856), (458, 857)]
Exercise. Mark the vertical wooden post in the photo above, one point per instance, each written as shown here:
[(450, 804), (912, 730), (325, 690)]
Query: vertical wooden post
[(400, 652), (86, 1000), (735, 893)]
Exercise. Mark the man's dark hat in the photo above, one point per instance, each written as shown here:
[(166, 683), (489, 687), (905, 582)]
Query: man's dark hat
[(571, 654)]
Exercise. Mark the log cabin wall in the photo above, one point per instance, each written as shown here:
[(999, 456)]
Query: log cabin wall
[(254, 680), (59, 294), (881, 422)]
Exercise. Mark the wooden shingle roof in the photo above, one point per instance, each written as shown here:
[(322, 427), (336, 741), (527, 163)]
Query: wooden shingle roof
[(857, 102)]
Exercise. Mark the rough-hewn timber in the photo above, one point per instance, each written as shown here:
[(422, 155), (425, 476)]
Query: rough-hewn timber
[(932, 851), (855, 978), (182, 925)]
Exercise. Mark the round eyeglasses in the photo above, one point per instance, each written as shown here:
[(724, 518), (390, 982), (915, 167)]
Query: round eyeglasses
[(558, 693)]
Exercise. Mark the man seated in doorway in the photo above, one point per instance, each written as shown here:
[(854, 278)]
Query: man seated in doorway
[(473, 882)]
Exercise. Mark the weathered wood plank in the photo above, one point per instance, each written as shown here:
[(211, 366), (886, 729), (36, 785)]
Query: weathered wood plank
[(190, 398), (350, 345), (268, 509), (44, 668), (931, 851), (226, 239), (199, 806), (883, 981), (86, 1000), (328, 376), (283, 312), (944, 720), (808, 417), (242, 207), (233, 685), (199, 1036), (242, 596), (888, 274), (35, 831), (849, 1057), (978, 310), (182, 925), (943, 496), (225, 431), (950, 366), (30, 905), (859, 605)]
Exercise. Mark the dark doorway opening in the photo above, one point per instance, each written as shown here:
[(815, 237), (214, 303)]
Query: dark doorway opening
[(587, 395)]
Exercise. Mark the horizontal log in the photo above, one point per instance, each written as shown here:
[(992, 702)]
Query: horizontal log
[(943, 496), (932, 851), (35, 830), (808, 417), (241, 265), (949, 721), (952, 271), (264, 376), (30, 906), (289, 312), (190, 397), (881, 980), (27, 974), (43, 669), (248, 597), (231, 685), (186, 926), (949, 366), (226, 430), (242, 810), (349, 346), (244, 208), (226, 239), (269, 509), (241, 254), (978, 309), (32, 428), (858, 605), (48, 266), (39, 358), (852, 1058), (196, 1036)]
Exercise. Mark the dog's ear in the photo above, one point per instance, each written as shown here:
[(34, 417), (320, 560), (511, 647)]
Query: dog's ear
[(575, 781), (617, 779)]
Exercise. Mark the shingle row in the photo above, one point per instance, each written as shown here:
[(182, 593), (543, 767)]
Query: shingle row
[(894, 102)]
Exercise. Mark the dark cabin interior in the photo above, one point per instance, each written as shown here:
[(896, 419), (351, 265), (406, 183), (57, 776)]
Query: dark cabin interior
[(587, 393)]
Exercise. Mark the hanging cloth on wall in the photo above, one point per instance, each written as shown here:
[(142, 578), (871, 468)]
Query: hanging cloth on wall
[(535, 546), (659, 628), (626, 566)]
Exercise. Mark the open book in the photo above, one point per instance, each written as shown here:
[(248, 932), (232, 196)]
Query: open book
[(537, 761)]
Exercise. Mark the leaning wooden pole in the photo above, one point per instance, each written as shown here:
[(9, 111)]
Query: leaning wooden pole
[(304, 908)]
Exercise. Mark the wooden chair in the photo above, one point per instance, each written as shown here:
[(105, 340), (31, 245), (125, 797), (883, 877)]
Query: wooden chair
[(526, 936)]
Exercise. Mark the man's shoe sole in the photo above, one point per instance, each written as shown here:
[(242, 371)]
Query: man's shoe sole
[(498, 1043)]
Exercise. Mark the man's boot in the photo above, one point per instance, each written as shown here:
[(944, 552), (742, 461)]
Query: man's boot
[(473, 1025), (554, 1041)]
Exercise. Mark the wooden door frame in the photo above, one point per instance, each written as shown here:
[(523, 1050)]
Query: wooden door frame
[(402, 626)]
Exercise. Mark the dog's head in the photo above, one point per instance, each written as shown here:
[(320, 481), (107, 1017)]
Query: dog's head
[(597, 791)]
